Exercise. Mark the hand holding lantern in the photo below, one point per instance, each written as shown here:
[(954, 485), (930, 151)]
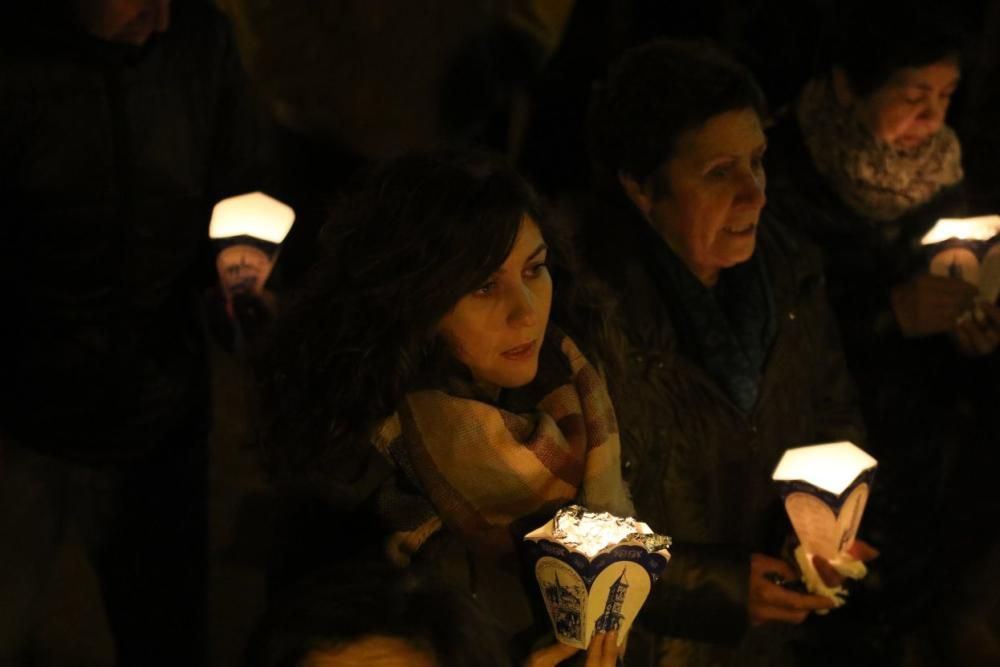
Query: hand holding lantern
[(248, 230), (825, 489)]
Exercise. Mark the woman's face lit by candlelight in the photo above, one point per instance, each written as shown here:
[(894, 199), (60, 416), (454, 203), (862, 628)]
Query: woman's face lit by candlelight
[(908, 108), (497, 330), (705, 201)]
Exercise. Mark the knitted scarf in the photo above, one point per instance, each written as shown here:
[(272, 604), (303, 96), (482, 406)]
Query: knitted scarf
[(727, 330), (873, 178), (476, 468)]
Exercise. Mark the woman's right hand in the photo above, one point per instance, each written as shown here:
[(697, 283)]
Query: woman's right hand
[(929, 304), (772, 602), (603, 652)]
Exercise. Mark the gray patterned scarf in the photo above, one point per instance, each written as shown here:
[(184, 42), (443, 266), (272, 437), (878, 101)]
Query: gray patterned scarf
[(873, 178)]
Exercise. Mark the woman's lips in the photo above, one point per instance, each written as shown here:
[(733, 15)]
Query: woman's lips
[(520, 352), (741, 230)]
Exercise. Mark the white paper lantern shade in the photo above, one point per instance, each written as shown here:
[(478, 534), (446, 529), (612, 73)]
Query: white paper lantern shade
[(588, 590), (825, 488), (255, 215), (961, 248), (957, 262), (981, 228), (247, 231), (989, 274)]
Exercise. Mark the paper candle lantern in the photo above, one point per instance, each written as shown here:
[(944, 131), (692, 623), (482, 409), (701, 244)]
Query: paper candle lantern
[(825, 488), (967, 248), (247, 230), (595, 571)]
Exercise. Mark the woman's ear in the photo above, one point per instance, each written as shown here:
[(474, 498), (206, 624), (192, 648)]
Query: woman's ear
[(842, 89), (636, 194)]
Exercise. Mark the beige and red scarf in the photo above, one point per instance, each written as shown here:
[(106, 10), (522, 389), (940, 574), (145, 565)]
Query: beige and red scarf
[(475, 468)]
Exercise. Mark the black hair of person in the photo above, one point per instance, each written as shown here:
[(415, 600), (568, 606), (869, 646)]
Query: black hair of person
[(652, 95), (873, 40)]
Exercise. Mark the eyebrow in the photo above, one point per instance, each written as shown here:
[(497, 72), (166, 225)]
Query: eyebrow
[(540, 249), (921, 85), (733, 156)]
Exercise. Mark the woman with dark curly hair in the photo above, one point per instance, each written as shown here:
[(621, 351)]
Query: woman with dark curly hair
[(418, 386)]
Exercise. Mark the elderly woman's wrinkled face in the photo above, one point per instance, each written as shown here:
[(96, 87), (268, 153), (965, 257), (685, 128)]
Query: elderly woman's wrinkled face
[(706, 200), (910, 107), (497, 330)]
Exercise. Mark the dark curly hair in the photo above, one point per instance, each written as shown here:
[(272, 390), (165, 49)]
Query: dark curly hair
[(397, 255), (873, 40), (653, 94)]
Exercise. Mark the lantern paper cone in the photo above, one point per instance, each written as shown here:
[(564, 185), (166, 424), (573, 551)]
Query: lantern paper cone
[(825, 488), (595, 571), (253, 214), (967, 248), (247, 230)]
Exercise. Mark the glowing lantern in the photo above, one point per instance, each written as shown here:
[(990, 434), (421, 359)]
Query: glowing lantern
[(248, 229), (967, 248), (825, 489), (595, 571)]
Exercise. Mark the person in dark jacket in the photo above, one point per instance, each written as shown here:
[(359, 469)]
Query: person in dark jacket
[(864, 164), (121, 124), (733, 353), (419, 390)]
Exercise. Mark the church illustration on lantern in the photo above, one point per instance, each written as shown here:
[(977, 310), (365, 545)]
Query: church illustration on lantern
[(566, 607), (594, 571), (612, 617)]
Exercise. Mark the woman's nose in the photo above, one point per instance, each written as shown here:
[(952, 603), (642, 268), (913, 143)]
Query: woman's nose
[(933, 113), (522, 308), (752, 187)]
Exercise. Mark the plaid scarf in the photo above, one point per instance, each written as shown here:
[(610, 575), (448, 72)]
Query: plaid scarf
[(871, 177), (480, 470)]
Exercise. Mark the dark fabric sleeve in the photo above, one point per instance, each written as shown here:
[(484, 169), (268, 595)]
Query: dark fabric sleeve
[(243, 140), (837, 409), (702, 595)]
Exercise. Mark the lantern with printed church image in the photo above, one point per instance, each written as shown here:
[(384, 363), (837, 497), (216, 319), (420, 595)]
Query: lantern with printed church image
[(969, 249), (825, 489), (595, 571), (247, 231)]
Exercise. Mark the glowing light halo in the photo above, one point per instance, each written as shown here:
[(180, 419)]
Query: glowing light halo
[(252, 214), (830, 466), (980, 228)]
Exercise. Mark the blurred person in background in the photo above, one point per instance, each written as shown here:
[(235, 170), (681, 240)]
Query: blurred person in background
[(123, 122), (864, 164)]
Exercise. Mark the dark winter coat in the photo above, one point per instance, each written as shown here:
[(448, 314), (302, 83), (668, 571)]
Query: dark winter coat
[(112, 159), (698, 467), (924, 404)]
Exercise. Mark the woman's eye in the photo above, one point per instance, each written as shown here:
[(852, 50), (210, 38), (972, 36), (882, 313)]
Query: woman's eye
[(536, 270), (719, 171), (486, 288)]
